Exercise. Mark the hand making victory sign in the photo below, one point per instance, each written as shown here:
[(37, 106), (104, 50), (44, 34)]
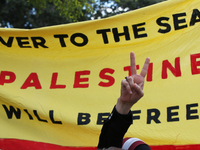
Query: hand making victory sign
[(132, 86)]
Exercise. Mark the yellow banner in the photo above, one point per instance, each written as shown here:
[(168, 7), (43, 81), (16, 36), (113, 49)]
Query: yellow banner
[(58, 84)]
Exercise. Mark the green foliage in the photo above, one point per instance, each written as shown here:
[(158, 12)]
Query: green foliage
[(103, 10), (72, 10), (19, 10), (39, 13)]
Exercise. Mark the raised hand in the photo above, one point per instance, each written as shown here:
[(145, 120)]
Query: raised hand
[(132, 86)]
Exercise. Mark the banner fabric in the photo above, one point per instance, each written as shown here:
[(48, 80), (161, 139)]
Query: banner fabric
[(59, 83)]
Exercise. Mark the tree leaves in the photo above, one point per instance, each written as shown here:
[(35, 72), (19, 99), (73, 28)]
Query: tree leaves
[(39, 13), (72, 10)]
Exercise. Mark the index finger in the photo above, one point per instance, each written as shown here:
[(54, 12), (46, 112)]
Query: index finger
[(145, 67), (133, 65)]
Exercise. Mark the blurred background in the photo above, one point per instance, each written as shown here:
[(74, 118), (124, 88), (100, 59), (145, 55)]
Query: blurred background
[(28, 14)]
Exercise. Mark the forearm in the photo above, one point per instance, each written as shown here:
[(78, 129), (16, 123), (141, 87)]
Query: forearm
[(123, 108), (114, 128)]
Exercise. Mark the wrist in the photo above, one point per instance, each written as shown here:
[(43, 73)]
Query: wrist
[(122, 107)]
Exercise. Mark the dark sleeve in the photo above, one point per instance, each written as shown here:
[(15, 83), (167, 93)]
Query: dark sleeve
[(114, 128)]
